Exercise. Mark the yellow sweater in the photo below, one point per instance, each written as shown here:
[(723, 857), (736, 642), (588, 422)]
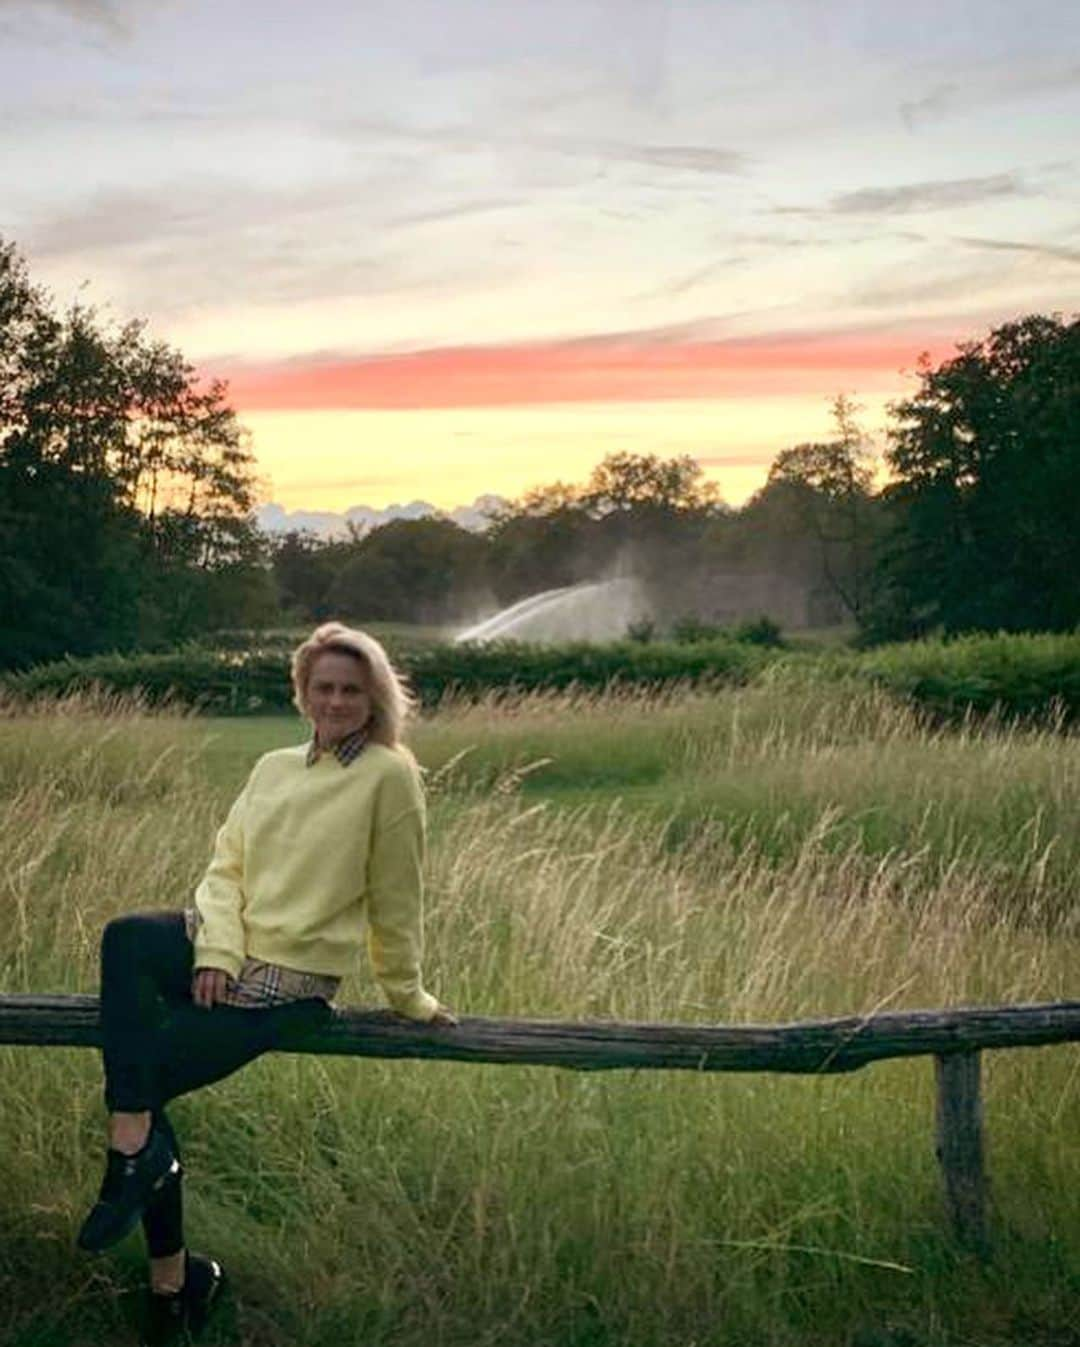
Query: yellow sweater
[(305, 854)]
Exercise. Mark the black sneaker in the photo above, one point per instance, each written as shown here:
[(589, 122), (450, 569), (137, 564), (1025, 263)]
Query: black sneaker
[(129, 1183), (171, 1318)]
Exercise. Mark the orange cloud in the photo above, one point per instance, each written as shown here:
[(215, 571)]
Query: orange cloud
[(602, 369)]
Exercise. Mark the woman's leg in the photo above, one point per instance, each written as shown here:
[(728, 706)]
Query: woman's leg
[(183, 1286), (196, 1047), (146, 959), (157, 1044), (163, 1225)]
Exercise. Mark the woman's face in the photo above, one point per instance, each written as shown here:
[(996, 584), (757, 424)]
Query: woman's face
[(338, 697)]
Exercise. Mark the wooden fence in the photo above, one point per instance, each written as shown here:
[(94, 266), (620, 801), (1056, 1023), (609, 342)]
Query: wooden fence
[(954, 1038)]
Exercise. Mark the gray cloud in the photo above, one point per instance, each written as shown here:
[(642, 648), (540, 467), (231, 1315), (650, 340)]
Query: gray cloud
[(691, 280), (1052, 251), (220, 209), (933, 289), (930, 108), (927, 196), (102, 14), (987, 88), (702, 274), (847, 237), (694, 158), (118, 219), (470, 138), (455, 211), (712, 328), (210, 238)]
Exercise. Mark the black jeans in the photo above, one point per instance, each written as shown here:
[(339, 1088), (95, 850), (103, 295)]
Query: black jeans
[(157, 1044)]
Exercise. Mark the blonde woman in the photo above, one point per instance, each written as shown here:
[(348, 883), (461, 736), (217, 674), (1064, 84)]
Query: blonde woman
[(322, 836)]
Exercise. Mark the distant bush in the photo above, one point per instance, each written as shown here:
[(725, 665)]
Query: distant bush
[(642, 631), (1026, 676), (759, 631), (691, 630)]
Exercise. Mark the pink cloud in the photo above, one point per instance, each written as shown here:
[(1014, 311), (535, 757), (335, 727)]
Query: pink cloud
[(604, 369)]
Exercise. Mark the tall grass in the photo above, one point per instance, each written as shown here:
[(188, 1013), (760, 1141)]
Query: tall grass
[(717, 864), (768, 767)]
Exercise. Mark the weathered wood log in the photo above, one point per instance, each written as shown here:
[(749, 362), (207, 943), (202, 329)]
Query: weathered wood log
[(960, 1147), (809, 1047)]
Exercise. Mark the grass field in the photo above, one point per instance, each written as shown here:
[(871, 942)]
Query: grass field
[(758, 855)]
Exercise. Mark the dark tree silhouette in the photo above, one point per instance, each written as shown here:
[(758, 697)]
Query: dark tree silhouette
[(125, 486), (985, 506)]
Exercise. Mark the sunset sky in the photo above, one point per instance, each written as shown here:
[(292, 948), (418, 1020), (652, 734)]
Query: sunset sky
[(447, 247)]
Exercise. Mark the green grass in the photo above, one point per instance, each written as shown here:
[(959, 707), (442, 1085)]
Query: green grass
[(764, 854)]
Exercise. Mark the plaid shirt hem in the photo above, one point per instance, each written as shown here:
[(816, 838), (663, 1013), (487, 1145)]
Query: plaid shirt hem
[(263, 984)]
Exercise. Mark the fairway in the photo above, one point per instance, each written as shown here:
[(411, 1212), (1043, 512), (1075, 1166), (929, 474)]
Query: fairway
[(757, 855)]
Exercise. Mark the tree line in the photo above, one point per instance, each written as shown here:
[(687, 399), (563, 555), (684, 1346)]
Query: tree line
[(968, 521), (127, 486)]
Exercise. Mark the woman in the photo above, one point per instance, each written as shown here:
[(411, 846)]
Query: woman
[(321, 835)]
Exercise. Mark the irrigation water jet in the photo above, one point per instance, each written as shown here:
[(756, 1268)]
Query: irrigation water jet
[(594, 611)]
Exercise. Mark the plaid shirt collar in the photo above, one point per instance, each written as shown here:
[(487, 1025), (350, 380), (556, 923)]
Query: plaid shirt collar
[(346, 750)]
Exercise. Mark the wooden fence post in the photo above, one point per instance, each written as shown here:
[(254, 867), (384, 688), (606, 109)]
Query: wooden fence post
[(960, 1147)]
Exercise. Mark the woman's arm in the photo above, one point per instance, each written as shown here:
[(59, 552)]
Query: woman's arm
[(219, 940), (395, 894)]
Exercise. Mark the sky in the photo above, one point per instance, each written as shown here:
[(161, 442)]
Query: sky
[(441, 248)]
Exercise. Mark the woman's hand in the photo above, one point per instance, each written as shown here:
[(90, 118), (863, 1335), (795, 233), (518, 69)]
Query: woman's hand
[(208, 986)]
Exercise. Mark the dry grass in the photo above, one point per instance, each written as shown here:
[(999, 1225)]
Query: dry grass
[(412, 1202)]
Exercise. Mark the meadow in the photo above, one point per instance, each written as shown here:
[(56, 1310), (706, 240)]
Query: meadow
[(789, 849)]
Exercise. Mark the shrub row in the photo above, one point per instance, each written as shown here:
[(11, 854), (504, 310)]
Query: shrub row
[(472, 670), (234, 682), (1015, 676), (218, 682)]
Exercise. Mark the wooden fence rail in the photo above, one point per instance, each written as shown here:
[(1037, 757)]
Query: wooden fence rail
[(954, 1038)]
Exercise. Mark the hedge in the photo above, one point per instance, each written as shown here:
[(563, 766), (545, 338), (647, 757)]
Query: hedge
[(233, 682), (1025, 676)]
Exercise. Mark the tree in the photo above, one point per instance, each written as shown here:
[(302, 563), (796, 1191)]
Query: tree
[(304, 567), (412, 570), (634, 512), (539, 502), (832, 485), (532, 552), (624, 482), (125, 485), (985, 506)]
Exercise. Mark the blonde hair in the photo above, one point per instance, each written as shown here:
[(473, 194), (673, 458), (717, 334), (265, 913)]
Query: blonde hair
[(391, 700)]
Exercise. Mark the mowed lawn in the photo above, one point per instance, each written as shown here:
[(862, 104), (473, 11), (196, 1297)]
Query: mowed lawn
[(758, 855)]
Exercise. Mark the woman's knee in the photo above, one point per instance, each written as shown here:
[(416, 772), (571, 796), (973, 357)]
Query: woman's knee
[(127, 939), (139, 927), (120, 934)]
